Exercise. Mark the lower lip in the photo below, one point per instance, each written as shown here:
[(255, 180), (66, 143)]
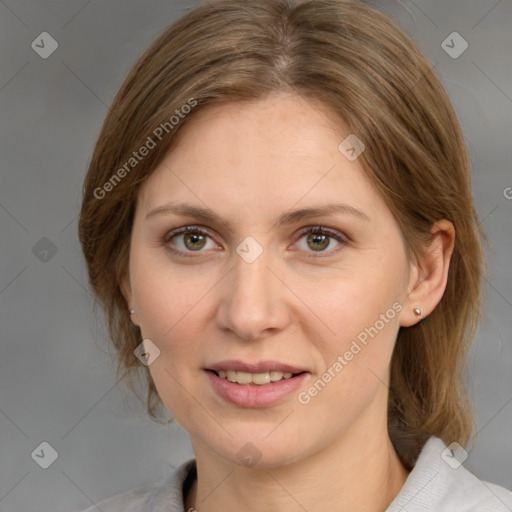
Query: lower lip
[(254, 395)]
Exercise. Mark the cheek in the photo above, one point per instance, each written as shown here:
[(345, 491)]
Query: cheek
[(357, 300), (168, 310), (172, 306), (354, 361), (362, 309), (165, 299)]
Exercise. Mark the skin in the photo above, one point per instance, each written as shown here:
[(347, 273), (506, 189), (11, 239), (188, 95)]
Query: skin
[(249, 163)]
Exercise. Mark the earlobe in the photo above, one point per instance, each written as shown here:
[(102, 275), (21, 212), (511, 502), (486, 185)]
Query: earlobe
[(430, 274)]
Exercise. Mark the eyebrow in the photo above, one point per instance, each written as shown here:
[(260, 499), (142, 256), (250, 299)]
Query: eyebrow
[(289, 217)]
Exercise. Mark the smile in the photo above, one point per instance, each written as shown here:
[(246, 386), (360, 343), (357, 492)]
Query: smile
[(254, 390), (259, 379)]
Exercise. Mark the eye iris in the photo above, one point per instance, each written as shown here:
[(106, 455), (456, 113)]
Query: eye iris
[(191, 239), (322, 240)]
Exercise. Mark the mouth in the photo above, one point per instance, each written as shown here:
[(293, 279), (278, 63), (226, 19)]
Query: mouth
[(260, 373), (259, 379), (254, 385), (255, 389)]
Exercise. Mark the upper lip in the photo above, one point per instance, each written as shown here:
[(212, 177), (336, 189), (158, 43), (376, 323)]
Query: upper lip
[(259, 367)]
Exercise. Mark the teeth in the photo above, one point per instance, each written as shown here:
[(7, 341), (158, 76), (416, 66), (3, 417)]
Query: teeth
[(254, 378)]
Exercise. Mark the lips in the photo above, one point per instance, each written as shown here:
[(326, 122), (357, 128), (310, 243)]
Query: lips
[(259, 384)]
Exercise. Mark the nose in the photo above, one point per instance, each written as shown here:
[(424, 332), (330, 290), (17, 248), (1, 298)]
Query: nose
[(253, 303)]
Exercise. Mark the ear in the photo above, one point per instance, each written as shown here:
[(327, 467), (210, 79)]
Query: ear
[(429, 275), (126, 290)]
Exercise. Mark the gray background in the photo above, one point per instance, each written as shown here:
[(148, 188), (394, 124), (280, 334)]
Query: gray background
[(56, 377)]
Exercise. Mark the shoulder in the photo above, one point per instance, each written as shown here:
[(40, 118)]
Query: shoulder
[(440, 482), (163, 496)]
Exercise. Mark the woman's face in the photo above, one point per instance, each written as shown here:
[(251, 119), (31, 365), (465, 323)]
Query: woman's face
[(257, 290)]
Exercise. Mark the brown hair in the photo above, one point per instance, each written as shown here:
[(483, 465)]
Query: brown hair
[(357, 62)]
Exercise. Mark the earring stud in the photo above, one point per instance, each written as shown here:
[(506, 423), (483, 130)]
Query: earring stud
[(417, 311), (132, 311)]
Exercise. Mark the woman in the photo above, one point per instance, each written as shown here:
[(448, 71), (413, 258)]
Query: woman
[(278, 223)]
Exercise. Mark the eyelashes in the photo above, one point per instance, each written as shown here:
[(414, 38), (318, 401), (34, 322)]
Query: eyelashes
[(194, 241), (321, 234), (195, 232)]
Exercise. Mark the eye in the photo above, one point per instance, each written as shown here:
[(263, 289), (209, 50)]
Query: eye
[(188, 239), (318, 239)]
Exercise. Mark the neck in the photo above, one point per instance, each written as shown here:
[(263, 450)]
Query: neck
[(362, 471)]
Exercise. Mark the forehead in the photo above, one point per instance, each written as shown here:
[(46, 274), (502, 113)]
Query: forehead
[(254, 156)]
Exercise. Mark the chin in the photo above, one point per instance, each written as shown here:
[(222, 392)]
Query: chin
[(255, 453)]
